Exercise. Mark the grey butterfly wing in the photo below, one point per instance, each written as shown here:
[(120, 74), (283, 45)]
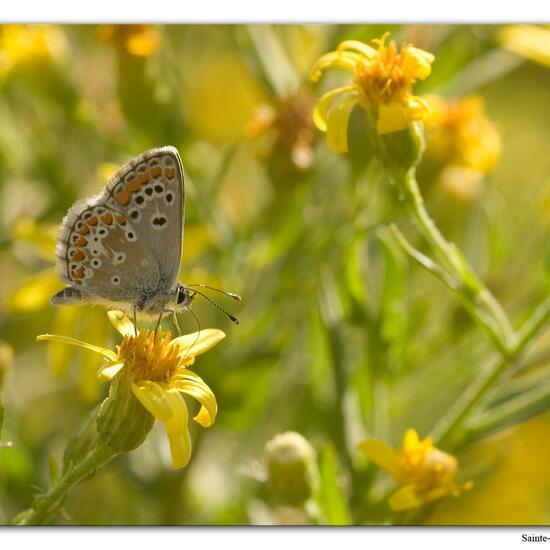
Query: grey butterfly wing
[(100, 256), (149, 191)]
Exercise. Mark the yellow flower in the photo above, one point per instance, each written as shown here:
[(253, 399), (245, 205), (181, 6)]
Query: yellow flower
[(158, 370), (381, 84), (529, 41), (423, 472), (459, 133), (22, 43), (137, 40)]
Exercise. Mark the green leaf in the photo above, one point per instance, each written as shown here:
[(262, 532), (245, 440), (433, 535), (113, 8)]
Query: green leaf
[(393, 318), (331, 498), (354, 259)]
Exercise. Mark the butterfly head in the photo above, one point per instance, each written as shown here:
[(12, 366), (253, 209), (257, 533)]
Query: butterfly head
[(184, 294)]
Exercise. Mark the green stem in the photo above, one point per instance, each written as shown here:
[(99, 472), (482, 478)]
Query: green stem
[(449, 254), (45, 506), (445, 431), (453, 285)]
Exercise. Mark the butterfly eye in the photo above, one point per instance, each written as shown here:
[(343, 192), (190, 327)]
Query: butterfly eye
[(182, 296)]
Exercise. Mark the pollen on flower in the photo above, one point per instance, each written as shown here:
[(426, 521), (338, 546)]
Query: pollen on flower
[(387, 78), (150, 356)]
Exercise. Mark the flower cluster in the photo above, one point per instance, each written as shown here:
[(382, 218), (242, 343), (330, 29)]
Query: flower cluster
[(382, 85), (459, 133), (423, 472), (287, 130)]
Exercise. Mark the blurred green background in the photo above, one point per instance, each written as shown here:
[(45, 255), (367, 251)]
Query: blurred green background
[(340, 338)]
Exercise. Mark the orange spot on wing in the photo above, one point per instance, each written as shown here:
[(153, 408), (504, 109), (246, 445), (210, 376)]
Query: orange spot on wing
[(133, 186), (92, 220), (156, 171), (78, 255), (85, 230), (120, 219), (123, 197), (144, 177), (81, 242), (78, 273), (107, 219), (169, 173)]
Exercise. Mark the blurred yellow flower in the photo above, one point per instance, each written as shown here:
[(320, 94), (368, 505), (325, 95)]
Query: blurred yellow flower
[(381, 84), (21, 43), (159, 375), (138, 40), (529, 41), (459, 133), (423, 472), (286, 129)]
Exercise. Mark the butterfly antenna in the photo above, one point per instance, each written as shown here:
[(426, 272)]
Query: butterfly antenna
[(198, 334), (230, 294), (232, 317)]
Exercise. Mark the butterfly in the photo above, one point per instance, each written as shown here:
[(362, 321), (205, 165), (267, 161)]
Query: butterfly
[(122, 248)]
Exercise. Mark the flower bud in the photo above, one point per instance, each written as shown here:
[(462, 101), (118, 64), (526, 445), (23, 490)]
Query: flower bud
[(292, 467), (400, 151), (122, 423)]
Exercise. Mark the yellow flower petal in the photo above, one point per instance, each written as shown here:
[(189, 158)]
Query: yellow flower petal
[(439, 492), (383, 455), (418, 63), (204, 395), (322, 107), (391, 118), (110, 370), (180, 449), (177, 430), (154, 398), (529, 41), (368, 51), (121, 323), (418, 107), (199, 342), (337, 124), (411, 441), (344, 60), (405, 499), (65, 339)]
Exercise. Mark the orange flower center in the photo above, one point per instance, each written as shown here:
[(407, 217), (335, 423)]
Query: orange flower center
[(384, 80), (150, 357)]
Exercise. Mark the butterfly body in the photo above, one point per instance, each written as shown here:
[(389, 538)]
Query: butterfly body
[(122, 248)]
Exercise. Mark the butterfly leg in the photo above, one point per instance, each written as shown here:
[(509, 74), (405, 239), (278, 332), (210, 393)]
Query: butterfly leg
[(135, 322), (175, 321), (158, 323)]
